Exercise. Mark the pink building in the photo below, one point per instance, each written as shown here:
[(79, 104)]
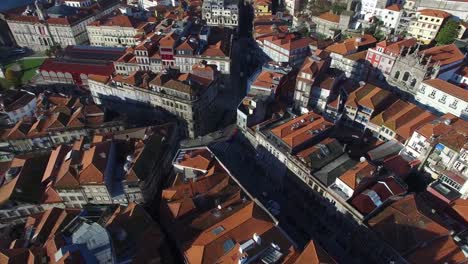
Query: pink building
[(383, 56)]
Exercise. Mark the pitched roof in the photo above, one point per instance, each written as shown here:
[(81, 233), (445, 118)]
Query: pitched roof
[(434, 13), (394, 7), (118, 21), (369, 96), (268, 80), (444, 55), (403, 118), (329, 16), (355, 175), (314, 254), (351, 45), (409, 226), (198, 159), (301, 129)]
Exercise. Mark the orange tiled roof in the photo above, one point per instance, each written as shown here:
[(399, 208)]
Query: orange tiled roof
[(444, 55), (354, 176), (299, 130), (329, 16), (394, 7), (198, 159), (314, 254), (434, 13), (266, 79)]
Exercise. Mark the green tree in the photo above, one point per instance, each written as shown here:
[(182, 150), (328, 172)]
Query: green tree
[(13, 77), (338, 8), (448, 33)]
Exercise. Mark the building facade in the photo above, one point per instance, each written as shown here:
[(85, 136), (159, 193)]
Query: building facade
[(427, 24), (39, 28), (188, 96), (117, 31), (221, 13), (443, 97)]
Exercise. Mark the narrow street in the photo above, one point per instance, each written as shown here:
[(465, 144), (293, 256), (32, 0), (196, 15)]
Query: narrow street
[(302, 224)]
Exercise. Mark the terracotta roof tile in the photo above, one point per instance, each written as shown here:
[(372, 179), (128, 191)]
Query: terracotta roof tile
[(434, 13), (299, 130), (444, 55), (355, 175), (394, 7), (410, 228), (329, 16)]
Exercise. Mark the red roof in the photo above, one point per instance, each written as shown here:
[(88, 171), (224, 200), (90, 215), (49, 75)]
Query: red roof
[(394, 7), (77, 68)]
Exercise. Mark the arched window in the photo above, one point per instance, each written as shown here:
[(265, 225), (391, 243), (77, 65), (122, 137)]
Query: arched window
[(397, 74), (413, 82), (406, 76)]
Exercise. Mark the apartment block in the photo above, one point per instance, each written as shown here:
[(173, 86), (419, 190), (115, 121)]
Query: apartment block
[(57, 119), (443, 97), (189, 96), (288, 49), (118, 31), (221, 13), (427, 24), (40, 27)]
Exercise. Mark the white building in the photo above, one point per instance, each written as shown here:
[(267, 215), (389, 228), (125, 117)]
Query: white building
[(443, 97), (287, 49), (427, 24), (147, 4), (39, 28), (78, 3), (368, 7), (292, 6), (117, 31), (221, 13), (390, 16)]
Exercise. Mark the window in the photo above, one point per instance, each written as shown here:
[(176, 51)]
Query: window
[(217, 230), (397, 74), (422, 89), (433, 93), (443, 98), (406, 76), (454, 104)]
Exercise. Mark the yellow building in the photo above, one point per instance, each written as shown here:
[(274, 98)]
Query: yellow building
[(427, 24), (262, 7)]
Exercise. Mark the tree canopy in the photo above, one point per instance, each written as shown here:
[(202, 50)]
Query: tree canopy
[(13, 77), (447, 33)]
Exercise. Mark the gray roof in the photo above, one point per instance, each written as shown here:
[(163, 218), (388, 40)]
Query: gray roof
[(61, 11)]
